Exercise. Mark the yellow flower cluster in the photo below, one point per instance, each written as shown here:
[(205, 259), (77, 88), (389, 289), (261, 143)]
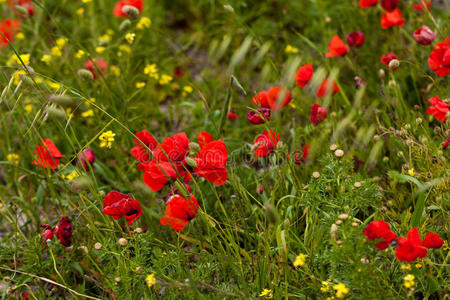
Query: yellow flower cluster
[(71, 176), (152, 72), (14, 59), (290, 49), (143, 23), (106, 139), (300, 260), (150, 280), (13, 158), (130, 37), (341, 290), (266, 293), (408, 281)]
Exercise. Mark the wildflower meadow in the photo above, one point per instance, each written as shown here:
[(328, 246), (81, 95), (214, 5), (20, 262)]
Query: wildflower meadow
[(224, 149)]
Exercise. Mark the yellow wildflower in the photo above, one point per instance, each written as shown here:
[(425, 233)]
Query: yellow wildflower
[(266, 293), (53, 85), (20, 36), (80, 53), (104, 38), (341, 290), (38, 79), (28, 108), (46, 58), (300, 260), (100, 49), (418, 266), (144, 22), (106, 139), (115, 70), (124, 48), (406, 267), (411, 172), (188, 89), (15, 60), (110, 31), (150, 280), (140, 84), (61, 42), (17, 74), (408, 281), (56, 51), (325, 286), (130, 37), (13, 158), (165, 79), (86, 1), (88, 113), (92, 99), (151, 70), (80, 11), (70, 176), (291, 49)]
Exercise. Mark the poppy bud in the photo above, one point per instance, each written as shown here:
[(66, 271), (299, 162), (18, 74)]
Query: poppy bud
[(86, 156), (424, 35), (22, 10), (260, 116), (271, 213), (191, 162), (130, 11), (85, 74), (56, 113), (63, 100), (80, 184), (338, 222), (180, 189), (125, 25), (356, 39), (389, 5), (194, 146), (343, 216), (260, 189), (357, 184), (138, 230), (394, 64), (381, 74), (122, 242)]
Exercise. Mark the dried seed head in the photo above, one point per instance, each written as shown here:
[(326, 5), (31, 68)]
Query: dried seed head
[(123, 242), (339, 153), (139, 270), (316, 174), (394, 64), (343, 216), (357, 184), (381, 73), (338, 222), (333, 147), (138, 230), (98, 246), (354, 224)]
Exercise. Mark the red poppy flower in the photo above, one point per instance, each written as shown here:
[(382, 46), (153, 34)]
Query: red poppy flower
[(139, 4), (204, 138), (318, 114), (279, 97), (260, 116), (327, 88), (389, 5), (232, 116), (304, 75), (173, 148), (211, 162), (446, 143), (424, 35), (432, 240), (439, 60), (379, 230), (97, 66), (178, 73), (439, 109), (367, 3), (157, 174), (265, 143), (63, 231), (422, 4), (336, 47), (140, 152), (301, 156), (8, 29), (120, 205), (411, 248), (356, 39), (87, 155), (391, 19), (179, 211), (261, 99), (47, 235), (48, 155), (386, 59)]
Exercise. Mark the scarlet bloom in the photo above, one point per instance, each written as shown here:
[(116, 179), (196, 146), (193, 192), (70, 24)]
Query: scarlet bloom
[(356, 39), (139, 152), (159, 173), (304, 75), (389, 5), (63, 231), (204, 138), (392, 18), (173, 148), (422, 4), (336, 47), (48, 155), (439, 59), (47, 235), (8, 29), (327, 88), (446, 143), (265, 143), (85, 157), (260, 116), (411, 248), (379, 230), (97, 66), (261, 99), (179, 211), (120, 205), (367, 3), (432, 240), (279, 97), (232, 116), (386, 59), (318, 114), (439, 109), (211, 161), (301, 156), (139, 4), (424, 35)]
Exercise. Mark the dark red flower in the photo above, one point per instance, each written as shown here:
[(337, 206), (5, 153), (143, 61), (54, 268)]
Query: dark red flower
[(204, 138), (265, 143), (159, 173), (439, 59), (85, 157), (386, 59), (439, 109), (336, 47), (48, 155), (411, 248), (63, 231), (232, 116), (379, 230), (304, 75), (261, 99), (424, 35), (422, 4), (179, 211), (260, 116), (8, 29), (327, 88), (446, 143), (47, 235), (97, 66), (173, 148), (279, 97), (120, 205), (211, 162), (356, 39), (139, 4), (432, 240), (301, 156), (318, 114), (25, 296), (140, 152), (389, 5), (178, 73), (391, 19), (367, 3)]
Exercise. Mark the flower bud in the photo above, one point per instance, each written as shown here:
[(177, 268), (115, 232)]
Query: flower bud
[(130, 11), (343, 216), (394, 64), (22, 10), (316, 174), (25, 79), (271, 213), (125, 25), (424, 35), (80, 184), (190, 162), (55, 113), (140, 270), (63, 100), (339, 153), (87, 155), (85, 74), (194, 146), (381, 74), (228, 8), (333, 232)]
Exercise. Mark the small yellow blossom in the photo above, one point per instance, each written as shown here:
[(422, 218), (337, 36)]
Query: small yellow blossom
[(130, 37), (106, 139), (100, 49), (115, 70), (151, 70), (61, 42), (106, 38), (53, 85), (341, 290), (38, 79), (69, 112), (291, 49), (165, 79), (418, 266), (13, 158), (188, 89), (300, 260), (140, 84), (124, 48), (406, 267), (70, 176), (411, 172), (408, 281), (86, 1), (20, 36), (110, 31), (266, 293), (88, 113), (92, 99), (80, 53), (80, 11), (144, 22), (150, 280), (16, 76), (28, 108), (46, 58), (325, 286), (15, 60), (56, 51)]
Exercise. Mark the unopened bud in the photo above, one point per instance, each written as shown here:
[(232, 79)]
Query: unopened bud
[(381, 73), (138, 230), (80, 184), (333, 147), (85, 74), (194, 146), (333, 232), (25, 79), (339, 153), (130, 11), (394, 64), (191, 162), (22, 10), (56, 113), (125, 25), (316, 174), (63, 100), (271, 213), (139, 270), (228, 8)]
